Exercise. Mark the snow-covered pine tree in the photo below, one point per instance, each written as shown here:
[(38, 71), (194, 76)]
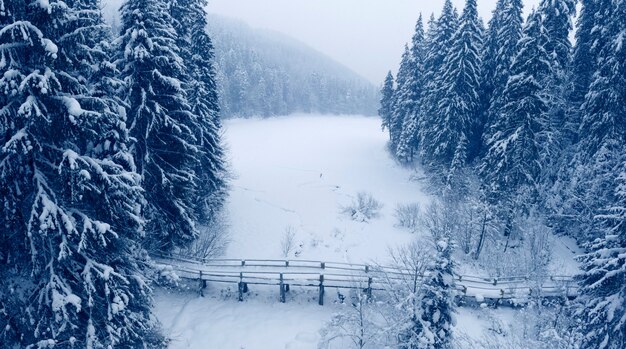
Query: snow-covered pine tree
[(438, 302), (557, 19), (559, 133), (458, 108), (513, 155), (386, 101), (584, 58), (71, 213), (490, 51), (159, 118), (505, 31), (602, 132), (402, 103), (568, 195), (438, 45), (201, 88), (601, 307), (409, 137)]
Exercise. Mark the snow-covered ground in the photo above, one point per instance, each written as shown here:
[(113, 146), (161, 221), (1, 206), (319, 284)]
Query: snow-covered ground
[(297, 173)]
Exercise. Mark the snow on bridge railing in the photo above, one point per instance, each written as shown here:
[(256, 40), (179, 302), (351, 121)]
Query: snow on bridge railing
[(321, 275)]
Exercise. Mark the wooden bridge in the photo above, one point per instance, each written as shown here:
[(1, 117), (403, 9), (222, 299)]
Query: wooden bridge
[(514, 290)]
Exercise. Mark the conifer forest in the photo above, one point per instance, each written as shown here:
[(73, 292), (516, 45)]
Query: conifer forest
[(242, 174)]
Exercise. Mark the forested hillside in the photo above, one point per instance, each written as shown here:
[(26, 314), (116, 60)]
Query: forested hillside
[(521, 128), (109, 152), (266, 73)]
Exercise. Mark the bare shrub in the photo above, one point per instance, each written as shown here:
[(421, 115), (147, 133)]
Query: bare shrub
[(407, 216), (359, 325), (212, 241), (363, 208), (441, 221), (288, 242)]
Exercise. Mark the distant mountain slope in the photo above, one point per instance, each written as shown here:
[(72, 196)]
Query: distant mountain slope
[(266, 73)]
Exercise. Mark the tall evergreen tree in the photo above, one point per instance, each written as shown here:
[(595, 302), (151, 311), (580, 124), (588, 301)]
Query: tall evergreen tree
[(201, 88), (596, 197), (71, 213), (557, 18), (571, 187), (505, 31), (438, 45), (457, 114), (409, 137), (386, 101), (159, 118), (601, 308), (490, 51), (584, 58), (402, 103), (513, 157), (602, 133), (438, 303)]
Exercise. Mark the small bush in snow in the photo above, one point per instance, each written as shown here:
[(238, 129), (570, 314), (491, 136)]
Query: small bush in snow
[(212, 241), (408, 216), (363, 208), (288, 243)]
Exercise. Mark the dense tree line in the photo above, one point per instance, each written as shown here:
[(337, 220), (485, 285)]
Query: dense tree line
[(540, 123), (107, 150), (265, 74)]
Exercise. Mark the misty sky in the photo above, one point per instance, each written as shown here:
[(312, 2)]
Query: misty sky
[(368, 36)]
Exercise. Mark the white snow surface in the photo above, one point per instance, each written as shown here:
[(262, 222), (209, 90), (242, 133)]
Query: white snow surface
[(294, 171), (258, 323), (299, 171)]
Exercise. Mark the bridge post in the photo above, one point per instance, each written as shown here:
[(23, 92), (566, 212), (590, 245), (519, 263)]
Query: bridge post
[(241, 286), (282, 289), (368, 290), (202, 285), (321, 295), (323, 265)]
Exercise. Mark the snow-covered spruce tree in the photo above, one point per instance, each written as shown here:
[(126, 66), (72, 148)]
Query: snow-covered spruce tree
[(557, 19), (386, 101), (490, 51), (409, 137), (560, 131), (601, 307), (201, 87), (584, 58), (458, 108), (160, 122), (404, 293), (438, 301), (402, 103), (505, 31), (71, 213), (602, 134), (573, 189), (513, 155), (438, 45)]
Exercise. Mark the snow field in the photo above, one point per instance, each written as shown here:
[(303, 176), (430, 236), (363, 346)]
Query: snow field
[(299, 172), (295, 174)]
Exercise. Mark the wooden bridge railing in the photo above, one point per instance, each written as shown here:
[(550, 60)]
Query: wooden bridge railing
[(324, 275)]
